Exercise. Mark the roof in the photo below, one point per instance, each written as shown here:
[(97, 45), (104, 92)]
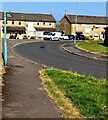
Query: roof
[(15, 28), (81, 19), (45, 29), (30, 17)]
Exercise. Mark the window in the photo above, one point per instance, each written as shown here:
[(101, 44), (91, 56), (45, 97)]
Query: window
[(53, 34), (3, 22), (50, 23), (43, 23), (26, 24), (96, 26), (87, 30), (78, 25), (19, 22), (37, 23), (96, 35), (87, 34), (49, 33), (12, 22), (88, 26)]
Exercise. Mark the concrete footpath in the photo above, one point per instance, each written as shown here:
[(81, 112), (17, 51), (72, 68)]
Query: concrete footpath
[(71, 48), (24, 96)]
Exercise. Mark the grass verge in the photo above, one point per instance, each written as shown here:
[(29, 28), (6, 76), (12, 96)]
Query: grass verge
[(77, 96), (94, 46)]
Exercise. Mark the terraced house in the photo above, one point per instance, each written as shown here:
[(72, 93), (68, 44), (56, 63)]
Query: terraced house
[(31, 25), (92, 26)]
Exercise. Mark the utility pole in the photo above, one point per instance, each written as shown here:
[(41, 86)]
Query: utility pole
[(1, 66), (38, 26), (76, 19), (0, 44), (5, 41), (75, 29), (65, 22)]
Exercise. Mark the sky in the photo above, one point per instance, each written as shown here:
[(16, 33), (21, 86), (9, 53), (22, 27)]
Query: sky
[(57, 9)]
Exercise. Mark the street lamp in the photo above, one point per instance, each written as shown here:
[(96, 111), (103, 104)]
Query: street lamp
[(5, 41), (65, 22), (75, 25), (38, 26), (75, 29)]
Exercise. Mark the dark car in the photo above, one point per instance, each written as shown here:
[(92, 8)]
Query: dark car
[(71, 37), (80, 37)]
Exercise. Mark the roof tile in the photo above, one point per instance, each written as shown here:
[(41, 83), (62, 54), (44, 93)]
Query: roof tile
[(30, 17), (86, 19)]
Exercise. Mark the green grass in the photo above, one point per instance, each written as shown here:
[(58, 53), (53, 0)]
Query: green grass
[(87, 93), (94, 46)]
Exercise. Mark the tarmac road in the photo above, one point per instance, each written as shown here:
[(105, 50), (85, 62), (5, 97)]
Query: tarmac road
[(49, 53)]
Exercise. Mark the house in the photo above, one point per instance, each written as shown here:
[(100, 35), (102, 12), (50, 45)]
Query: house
[(87, 25), (20, 24)]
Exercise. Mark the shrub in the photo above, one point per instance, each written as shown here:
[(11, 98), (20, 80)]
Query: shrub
[(89, 38), (32, 37), (86, 37), (25, 37)]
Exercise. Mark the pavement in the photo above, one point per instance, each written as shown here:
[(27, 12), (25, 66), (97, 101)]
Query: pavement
[(23, 93), (71, 48)]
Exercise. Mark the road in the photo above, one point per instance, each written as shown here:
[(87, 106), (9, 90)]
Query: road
[(52, 55)]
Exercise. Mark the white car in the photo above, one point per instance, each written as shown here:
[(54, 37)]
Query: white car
[(64, 37), (53, 36)]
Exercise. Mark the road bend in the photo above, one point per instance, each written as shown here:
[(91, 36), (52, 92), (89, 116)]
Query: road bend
[(49, 53)]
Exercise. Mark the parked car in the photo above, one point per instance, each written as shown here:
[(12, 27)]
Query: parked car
[(80, 37), (53, 36), (56, 36), (64, 37), (71, 37)]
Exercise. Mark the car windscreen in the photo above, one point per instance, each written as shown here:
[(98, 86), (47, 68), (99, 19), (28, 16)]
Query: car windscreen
[(53, 34), (49, 33)]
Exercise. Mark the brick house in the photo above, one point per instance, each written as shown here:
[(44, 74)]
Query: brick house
[(21, 24), (87, 25)]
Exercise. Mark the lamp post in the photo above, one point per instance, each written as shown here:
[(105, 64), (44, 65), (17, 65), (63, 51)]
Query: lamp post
[(5, 41), (65, 22), (38, 26), (0, 45), (75, 29), (75, 25)]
